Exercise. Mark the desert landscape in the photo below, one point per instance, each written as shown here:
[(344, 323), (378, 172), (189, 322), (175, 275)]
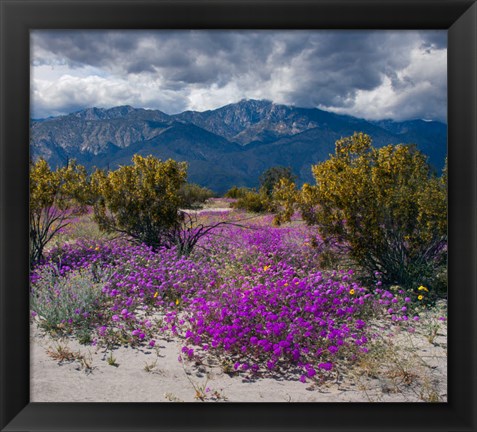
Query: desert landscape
[(403, 362)]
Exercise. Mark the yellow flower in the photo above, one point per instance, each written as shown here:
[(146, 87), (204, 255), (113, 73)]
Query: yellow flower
[(177, 301), (351, 291), (96, 248), (423, 288), (266, 268), (156, 294), (420, 297), (286, 284)]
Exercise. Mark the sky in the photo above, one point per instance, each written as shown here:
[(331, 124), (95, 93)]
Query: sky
[(375, 75)]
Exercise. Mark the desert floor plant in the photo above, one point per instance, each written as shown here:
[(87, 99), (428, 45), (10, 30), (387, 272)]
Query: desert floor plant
[(63, 354), (397, 363)]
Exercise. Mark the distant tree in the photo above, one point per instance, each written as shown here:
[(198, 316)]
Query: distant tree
[(262, 200), (192, 195), (269, 178), (55, 198), (237, 192), (253, 201)]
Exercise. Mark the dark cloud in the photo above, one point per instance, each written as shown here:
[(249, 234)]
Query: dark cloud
[(304, 68)]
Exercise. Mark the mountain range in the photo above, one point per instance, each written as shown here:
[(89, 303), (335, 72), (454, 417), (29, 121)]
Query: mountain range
[(227, 146)]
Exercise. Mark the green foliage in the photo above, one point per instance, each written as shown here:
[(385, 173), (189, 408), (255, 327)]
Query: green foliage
[(254, 202), (284, 198), (141, 200), (55, 198), (66, 302), (384, 206), (193, 195), (276, 185), (272, 176), (237, 192)]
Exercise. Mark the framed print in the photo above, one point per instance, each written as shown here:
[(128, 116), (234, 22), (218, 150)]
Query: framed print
[(215, 201)]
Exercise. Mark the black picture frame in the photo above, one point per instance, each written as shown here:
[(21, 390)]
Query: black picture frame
[(18, 17)]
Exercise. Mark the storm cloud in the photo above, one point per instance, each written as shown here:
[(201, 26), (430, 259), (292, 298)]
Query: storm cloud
[(368, 74)]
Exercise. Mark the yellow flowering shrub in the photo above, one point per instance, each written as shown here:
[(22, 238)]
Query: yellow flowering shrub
[(284, 197), (384, 206), (56, 197), (141, 200)]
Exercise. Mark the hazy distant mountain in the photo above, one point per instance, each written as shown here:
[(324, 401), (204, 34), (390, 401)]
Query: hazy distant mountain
[(231, 145)]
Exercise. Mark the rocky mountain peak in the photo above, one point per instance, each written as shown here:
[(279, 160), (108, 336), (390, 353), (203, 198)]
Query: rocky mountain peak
[(104, 113), (230, 145)]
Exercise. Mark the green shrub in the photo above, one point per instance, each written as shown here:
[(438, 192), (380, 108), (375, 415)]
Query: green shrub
[(254, 202), (67, 302), (272, 176), (237, 192), (384, 206), (141, 200), (144, 201), (284, 197), (56, 197), (193, 196)]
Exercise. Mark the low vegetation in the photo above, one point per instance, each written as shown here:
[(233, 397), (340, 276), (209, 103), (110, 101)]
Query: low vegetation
[(295, 290)]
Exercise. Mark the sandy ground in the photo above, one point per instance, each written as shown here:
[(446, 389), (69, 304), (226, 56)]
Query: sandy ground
[(409, 369)]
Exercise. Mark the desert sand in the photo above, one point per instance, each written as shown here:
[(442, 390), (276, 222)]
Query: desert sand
[(411, 367)]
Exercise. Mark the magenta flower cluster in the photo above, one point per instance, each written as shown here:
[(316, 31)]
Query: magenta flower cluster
[(149, 283), (252, 296), (272, 319)]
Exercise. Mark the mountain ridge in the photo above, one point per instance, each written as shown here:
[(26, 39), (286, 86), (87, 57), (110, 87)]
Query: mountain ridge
[(235, 142)]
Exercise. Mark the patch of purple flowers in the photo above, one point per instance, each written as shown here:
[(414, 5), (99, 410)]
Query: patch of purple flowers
[(251, 295)]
